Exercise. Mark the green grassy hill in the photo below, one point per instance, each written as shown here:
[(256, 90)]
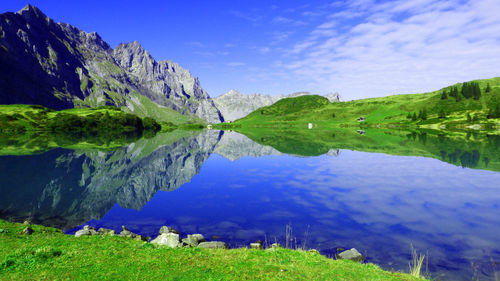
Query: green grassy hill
[(445, 108)]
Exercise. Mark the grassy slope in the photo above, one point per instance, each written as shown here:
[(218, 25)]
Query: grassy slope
[(50, 254), (144, 107), (478, 150), (391, 110)]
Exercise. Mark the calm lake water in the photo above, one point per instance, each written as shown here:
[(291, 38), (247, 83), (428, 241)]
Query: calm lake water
[(224, 184)]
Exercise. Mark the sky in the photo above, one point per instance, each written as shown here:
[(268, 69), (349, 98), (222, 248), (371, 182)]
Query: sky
[(358, 48)]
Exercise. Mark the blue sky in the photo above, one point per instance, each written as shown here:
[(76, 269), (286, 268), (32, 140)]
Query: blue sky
[(360, 48)]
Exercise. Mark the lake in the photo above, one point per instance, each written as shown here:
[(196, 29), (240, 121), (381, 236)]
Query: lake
[(381, 192)]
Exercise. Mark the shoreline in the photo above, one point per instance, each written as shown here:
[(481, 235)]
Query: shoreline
[(49, 254)]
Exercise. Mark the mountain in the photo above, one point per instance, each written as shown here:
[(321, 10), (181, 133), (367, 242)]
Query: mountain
[(60, 66), (234, 105)]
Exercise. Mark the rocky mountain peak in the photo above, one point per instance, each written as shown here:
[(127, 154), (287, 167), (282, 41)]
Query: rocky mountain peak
[(31, 11), (33, 14), (61, 66), (232, 93), (333, 97)]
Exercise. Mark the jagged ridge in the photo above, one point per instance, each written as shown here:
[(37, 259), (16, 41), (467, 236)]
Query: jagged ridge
[(234, 105), (60, 66)]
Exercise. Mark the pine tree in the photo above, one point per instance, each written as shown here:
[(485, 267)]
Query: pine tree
[(444, 95), (476, 91), (465, 89), (494, 113), (408, 116), (414, 117), (488, 88), (442, 114), (424, 114)]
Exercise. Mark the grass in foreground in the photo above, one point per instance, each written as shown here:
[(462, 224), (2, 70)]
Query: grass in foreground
[(50, 254)]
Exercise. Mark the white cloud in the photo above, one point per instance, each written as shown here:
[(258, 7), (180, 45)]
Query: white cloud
[(400, 47)]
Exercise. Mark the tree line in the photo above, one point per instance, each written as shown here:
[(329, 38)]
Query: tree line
[(468, 90)]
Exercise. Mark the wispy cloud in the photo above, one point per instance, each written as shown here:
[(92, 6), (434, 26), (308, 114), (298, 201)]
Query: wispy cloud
[(235, 63), (400, 46), (204, 53), (245, 16), (195, 44), (264, 50), (288, 21)]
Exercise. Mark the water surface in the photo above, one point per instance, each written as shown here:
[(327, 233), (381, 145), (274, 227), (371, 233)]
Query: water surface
[(224, 184)]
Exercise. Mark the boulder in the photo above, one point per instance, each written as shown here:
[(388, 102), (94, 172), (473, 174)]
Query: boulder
[(213, 245), (83, 232), (168, 229), (351, 254), (86, 231), (127, 233), (105, 231), (27, 231), (193, 240), (168, 239), (257, 246)]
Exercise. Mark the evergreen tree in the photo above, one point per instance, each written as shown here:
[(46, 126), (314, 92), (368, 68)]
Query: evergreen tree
[(476, 91), (419, 116), (488, 88), (442, 114), (465, 90), (414, 117), (494, 113), (408, 116), (469, 119), (424, 114), (444, 95), (457, 96)]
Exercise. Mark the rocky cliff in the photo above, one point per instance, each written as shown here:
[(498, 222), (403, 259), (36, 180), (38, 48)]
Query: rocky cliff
[(60, 66), (234, 105)]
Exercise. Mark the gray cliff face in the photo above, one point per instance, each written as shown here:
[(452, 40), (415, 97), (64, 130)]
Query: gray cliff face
[(234, 105), (60, 66), (166, 83)]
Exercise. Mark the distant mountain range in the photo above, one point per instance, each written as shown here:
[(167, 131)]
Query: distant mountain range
[(235, 105), (60, 66)]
